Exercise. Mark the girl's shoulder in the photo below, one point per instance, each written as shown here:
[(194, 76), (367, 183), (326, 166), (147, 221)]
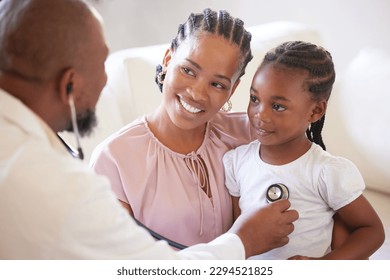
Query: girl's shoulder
[(336, 170), (329, 161), (241, 153)]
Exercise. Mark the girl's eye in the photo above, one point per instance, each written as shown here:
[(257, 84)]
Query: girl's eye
[(253, 98), (188, 71), (278, 107)]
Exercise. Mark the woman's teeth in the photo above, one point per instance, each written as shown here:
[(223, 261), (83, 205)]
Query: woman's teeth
[(188, 107)]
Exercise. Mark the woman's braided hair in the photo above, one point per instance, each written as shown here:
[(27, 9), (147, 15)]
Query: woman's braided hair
[(318, 62), (219, 23)]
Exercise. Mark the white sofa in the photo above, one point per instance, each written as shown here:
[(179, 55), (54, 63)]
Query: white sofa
[(357, 124)]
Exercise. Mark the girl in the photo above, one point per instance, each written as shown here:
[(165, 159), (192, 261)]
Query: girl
[(288, 100)]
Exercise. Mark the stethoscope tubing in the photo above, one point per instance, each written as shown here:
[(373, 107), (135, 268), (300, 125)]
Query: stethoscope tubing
[(78, 154), (160, 237), (284, 194)]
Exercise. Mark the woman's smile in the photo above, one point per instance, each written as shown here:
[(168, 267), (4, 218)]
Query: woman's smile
[(199, 80), (189, 108)]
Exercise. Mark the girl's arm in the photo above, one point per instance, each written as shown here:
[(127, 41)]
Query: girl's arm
[(340, 232), (367, 233)]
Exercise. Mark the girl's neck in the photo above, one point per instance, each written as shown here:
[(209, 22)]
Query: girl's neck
[(284, 153), (183, 141)]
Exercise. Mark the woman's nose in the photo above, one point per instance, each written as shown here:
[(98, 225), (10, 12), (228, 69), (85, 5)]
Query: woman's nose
[(198, 91)]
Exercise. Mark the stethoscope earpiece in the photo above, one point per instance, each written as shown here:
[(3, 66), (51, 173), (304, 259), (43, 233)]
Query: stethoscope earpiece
[(276, 192)]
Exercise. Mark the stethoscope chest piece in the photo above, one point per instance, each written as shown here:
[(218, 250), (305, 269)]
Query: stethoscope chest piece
[(276, 192)]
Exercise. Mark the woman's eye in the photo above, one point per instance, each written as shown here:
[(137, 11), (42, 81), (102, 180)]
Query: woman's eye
[(218, 85), (188, 71), (278, 107)]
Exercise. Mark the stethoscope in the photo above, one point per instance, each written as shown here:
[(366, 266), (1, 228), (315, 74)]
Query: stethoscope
[(79, 152), (74, 153), (80, 155), (276, 192), (160, 237)]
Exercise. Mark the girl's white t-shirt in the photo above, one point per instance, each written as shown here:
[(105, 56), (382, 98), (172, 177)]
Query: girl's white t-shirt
[(319, 184)]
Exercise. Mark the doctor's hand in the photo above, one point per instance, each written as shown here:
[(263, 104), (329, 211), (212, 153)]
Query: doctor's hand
[(266, 228)]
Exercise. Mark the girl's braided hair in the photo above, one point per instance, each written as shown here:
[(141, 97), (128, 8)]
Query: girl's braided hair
[(318, 62)]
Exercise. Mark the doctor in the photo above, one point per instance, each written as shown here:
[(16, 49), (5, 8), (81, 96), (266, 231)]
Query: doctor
[(52, 55)]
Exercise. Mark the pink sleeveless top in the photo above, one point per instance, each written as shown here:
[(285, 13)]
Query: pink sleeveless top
[(162, 186)]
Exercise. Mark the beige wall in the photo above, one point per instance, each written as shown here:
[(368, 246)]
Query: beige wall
[(346, 25)]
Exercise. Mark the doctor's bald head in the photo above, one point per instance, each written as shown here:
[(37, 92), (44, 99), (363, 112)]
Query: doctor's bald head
[(41, 38)]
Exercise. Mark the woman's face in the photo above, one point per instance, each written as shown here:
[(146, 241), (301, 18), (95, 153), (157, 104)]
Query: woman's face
[(201, 75)]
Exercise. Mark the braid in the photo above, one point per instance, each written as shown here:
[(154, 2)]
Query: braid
[(238, 30), (318, 62), (225, 23), (314, 132), (221, 24), (210, 19)]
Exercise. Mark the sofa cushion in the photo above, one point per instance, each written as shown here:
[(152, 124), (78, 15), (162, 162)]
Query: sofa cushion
[(358, 118), (131, 75)]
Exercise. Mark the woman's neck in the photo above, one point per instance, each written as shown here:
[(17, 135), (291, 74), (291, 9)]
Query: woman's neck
[(183, 141)]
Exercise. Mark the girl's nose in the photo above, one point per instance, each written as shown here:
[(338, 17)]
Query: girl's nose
[(263, 113)]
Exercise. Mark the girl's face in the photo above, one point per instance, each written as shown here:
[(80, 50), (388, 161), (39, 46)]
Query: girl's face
[(200, 77), (280, 107)]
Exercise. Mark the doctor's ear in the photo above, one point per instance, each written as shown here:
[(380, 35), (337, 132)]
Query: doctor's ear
[(69, 88), (68, 82)]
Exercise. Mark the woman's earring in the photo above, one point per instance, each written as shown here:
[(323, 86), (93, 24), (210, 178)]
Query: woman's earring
[(161, 77), (229, 106)]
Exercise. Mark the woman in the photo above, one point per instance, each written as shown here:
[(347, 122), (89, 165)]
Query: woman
[(166, 167)]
